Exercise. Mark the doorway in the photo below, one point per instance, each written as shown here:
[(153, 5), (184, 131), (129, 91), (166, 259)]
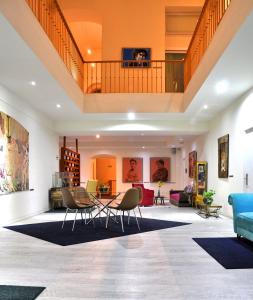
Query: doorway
[(174, 73), (248, 163), (104, 170)]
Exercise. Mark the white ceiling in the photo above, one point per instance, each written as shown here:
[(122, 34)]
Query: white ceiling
[(19, 65)]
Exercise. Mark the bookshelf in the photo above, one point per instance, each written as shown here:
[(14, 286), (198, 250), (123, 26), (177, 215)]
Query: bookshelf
[(70, 163)]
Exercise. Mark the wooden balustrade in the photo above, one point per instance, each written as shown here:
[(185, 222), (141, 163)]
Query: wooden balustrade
[(212, 13), (154, 76), (53, 22)]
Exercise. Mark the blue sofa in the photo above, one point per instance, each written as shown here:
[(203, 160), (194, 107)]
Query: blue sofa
[(242, 214)]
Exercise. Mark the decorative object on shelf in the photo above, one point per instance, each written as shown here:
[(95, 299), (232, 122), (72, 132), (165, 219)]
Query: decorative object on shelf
[(70, 163), (14, 156), (208, 197), (159, 169), (192, 163), (223, 156), (132, 169), (136, 57)]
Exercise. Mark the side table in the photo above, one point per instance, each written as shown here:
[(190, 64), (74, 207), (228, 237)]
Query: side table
[(161, 198), (209, 210)]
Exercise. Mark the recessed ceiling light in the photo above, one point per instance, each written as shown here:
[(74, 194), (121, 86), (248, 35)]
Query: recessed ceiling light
[(143, 147), (222, 86), (131, 116), (58, 105), (33, 83), (205, 106), (97, 136), (89, 51), (142, 134)]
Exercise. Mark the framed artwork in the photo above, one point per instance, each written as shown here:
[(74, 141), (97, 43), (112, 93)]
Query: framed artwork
[(132, 169), (192, 163), (159, 169), (223, 156), (14, 155), (136, 57)]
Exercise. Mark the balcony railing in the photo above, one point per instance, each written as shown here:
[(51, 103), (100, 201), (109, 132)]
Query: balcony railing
[(212, 13), (155, 76), (53, 22)]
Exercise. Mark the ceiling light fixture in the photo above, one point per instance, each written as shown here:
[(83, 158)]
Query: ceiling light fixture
[(33, 83), (143, 147), (89, 51), (131, 116), (97, 136), (205, 106), (58, 105), (221, 87)]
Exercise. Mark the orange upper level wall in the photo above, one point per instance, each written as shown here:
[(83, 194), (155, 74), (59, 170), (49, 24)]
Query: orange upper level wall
[(125, 23)]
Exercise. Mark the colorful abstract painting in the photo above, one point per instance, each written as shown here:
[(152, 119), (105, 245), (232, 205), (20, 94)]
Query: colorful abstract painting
[(14, 155)]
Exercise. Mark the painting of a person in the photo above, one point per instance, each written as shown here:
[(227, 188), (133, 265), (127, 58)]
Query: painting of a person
[(132, 174), (161, 173), (139, 55), (132, 169)]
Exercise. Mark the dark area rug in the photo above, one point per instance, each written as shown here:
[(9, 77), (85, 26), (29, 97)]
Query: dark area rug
[(52, 232), (231, 253), (15, 292)]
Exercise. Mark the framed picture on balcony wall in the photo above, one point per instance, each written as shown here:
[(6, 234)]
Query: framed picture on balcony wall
[(223, 156), (136, 57), (192, 163), (159, 169), (132, 169)]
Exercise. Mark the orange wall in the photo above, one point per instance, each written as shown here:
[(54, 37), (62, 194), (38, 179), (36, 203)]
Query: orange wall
[(105, 169)]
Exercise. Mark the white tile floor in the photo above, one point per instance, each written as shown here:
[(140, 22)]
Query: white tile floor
[(164, 264)]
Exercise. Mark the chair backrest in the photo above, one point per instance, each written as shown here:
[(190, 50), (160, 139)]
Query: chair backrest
[(140, 194), (68, 199), (130, 199), (91, 186), (141, 185)]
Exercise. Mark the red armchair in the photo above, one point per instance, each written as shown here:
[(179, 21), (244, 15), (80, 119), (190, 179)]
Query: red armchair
[(148, 195)]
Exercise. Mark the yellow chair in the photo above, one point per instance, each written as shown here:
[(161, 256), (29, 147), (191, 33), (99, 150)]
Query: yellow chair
[(198, 200), (91, 186)]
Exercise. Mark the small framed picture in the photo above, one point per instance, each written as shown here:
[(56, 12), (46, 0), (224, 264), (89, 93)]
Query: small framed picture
[(136, 57), (223, 156), (132, 169), (159, 169)]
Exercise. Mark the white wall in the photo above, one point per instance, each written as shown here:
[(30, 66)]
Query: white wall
[(43, 149), (233, 121), (176, 166)]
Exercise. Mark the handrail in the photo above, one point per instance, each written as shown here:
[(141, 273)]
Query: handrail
[(52, 20), (134, 76), (210, 17)]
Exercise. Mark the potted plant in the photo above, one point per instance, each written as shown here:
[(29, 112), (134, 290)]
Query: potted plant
[(208, 197)]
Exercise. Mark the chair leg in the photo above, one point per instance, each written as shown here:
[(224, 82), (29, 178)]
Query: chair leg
[(64, 218), (93, 221), (137, 221), (85, 217), (74, 220), (122, 225), (139, 210), (128, 221), (107, 218)]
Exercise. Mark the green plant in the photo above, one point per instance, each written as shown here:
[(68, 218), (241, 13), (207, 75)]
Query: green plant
[(208, 197)]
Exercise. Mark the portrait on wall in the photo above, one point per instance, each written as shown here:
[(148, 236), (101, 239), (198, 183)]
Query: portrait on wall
[(136, 57), (159, 169), (192, 163), (132, 169), (223, 156), (14, 155)]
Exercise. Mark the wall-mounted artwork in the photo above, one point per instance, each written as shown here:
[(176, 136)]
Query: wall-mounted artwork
[(136, 57), (14, 155), (159, 169), (192, 163), (132, 169), (223, 156)]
